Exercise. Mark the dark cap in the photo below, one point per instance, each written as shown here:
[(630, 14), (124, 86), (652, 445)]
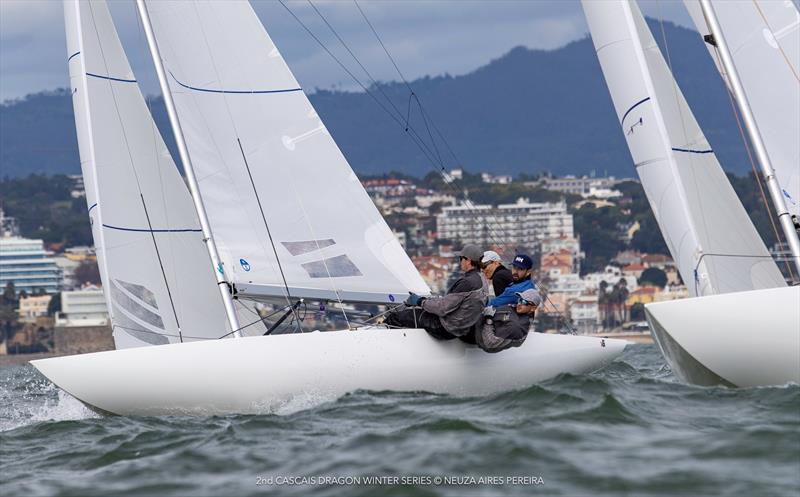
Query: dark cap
[(522, 261), (471, 252)]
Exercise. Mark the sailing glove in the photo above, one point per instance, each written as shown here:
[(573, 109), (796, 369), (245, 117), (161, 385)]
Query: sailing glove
[(413, 299)]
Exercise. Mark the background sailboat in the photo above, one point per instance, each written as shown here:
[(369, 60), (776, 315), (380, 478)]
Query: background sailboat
[(282, 215), (716, 248)]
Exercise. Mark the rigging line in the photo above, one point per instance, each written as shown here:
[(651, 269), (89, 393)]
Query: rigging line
[(676, 94), (353, 55), (161, 265), (225, 98), (136, 175), (756, 174), (416, 138), (425, 116), (260, 320), (780, 47), (266, 224), (408, 85)]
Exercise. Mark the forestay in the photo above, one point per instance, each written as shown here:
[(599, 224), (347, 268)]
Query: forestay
[(710, 236), (285, 208), (764, 39), (157, 278)]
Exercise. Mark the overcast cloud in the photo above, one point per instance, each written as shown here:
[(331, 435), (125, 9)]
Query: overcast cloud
[(424, 36)]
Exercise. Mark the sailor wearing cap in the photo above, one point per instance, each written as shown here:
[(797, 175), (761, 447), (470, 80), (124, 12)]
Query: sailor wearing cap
[(452, 315), (521, 281), (495, 271), (508, 325)]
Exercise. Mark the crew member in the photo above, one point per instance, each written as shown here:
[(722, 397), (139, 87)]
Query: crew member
[(508, 325), (495, 271), (521, 281), (454, 314)]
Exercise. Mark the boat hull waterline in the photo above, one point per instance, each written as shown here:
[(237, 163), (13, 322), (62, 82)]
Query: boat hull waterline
[(742, 339), (255, 375)]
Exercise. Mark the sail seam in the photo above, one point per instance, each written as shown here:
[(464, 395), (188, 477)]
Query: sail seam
[(100, 76), (73, 56), (691, 151), (622, 121), (147, 230), (235, 92)]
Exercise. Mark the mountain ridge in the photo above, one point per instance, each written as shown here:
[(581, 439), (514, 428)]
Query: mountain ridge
[(526, 111)]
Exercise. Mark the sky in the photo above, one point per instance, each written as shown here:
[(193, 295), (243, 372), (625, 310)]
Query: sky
[(425, 37)]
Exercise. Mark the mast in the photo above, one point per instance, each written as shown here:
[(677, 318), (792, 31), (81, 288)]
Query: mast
[(752, 130), (219, 272)]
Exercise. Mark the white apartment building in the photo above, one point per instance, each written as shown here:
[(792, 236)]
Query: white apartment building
[(522, 223), (577, 186), (85, 307), (25, 263), (611, 275)]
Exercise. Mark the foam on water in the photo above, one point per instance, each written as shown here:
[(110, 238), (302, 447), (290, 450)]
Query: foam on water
[(26, 398), (629, 429)]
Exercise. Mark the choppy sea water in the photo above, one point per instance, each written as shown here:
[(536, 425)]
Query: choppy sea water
[(630, 429)]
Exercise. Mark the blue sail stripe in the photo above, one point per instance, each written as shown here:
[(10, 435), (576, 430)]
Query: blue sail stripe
[(110, 78), (622, 121), (690, 151), (73, 56), (236, 92), (147, 230)]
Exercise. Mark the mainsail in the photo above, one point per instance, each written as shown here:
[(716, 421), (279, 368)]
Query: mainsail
[(289, 216), (157, 278), (764, 40), (714, 243)]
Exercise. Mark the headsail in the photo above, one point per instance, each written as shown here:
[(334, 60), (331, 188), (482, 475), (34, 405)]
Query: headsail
[(764, 40), (286, 209), (156, 276), (708, 232)]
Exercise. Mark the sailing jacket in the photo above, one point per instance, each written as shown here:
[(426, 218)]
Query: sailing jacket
[(457, 311), (504, 330), (501, 279), (509, 294)]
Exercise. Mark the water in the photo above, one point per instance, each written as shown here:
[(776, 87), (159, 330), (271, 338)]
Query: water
[(630, 429)]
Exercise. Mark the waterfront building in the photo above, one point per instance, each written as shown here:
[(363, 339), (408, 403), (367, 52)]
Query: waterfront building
[(585, 314), (25, 263), (611, 275), (523, 223), (32, 307), (82, 308), (579, 186)]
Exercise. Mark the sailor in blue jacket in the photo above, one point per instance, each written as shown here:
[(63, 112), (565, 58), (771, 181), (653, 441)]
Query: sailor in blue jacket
[(520, 281)]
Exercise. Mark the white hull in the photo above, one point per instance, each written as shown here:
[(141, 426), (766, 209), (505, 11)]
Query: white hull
[(259, 374), (742, 339)]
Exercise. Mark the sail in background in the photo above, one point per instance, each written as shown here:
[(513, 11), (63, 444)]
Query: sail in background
[(156, 273), (714, 243), (764, 39), (284, 205)]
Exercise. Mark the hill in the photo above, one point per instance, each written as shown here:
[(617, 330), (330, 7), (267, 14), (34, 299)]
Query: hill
[(527, 111)]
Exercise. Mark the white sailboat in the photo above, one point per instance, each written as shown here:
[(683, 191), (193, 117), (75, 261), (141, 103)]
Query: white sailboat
[(743, 326), (273, 210)]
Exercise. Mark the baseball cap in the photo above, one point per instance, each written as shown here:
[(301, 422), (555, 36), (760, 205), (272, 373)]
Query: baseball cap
[(522, 261), (471, 252), (490, 256), (531, 296)]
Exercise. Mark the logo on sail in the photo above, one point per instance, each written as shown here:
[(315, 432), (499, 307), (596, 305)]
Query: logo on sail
[(245, 265)]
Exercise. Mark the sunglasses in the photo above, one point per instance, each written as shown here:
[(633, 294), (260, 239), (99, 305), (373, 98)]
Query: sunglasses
[(525, 302)]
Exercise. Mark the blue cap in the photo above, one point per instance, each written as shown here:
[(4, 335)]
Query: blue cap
[(522, 261)]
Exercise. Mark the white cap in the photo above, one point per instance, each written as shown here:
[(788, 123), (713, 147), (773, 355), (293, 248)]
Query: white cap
[(489, 256)]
